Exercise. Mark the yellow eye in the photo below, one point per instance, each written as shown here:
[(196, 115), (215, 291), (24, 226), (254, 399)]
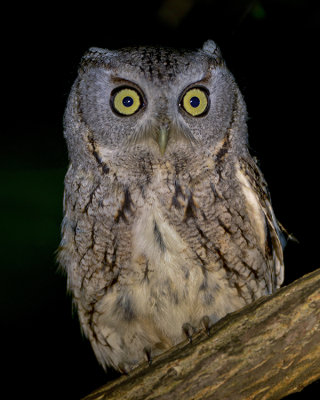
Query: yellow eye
[(195, 102), (126, 101)]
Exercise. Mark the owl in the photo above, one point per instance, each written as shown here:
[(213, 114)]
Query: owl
[(168, 224)]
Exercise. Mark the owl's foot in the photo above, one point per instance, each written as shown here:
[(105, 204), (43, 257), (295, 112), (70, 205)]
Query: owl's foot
[(123, 369), (148, 353), (207, 324), (188, 331)]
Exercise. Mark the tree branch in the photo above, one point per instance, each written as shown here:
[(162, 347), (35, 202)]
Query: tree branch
[(267, 350)]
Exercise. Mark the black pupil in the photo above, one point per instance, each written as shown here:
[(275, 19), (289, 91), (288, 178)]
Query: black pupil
[(127, 101), (194, 101)]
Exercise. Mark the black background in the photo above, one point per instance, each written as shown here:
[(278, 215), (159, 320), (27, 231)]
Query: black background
[(272, 49)]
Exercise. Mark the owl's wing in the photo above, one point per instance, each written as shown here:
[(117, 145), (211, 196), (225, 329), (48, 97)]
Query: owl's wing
[(273, 235), (96, 213)]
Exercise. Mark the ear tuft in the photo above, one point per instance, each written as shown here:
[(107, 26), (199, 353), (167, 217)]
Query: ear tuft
[(95, 56), (209, 47)]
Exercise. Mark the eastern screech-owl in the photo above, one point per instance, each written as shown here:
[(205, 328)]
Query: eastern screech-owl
[(168, 224)]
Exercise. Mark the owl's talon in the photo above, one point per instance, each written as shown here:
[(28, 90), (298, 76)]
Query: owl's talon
[(188, 330), (123, 369), (147, 351), (205, 321)]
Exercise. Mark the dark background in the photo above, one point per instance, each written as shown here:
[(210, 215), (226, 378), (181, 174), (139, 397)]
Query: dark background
[(272, 49)]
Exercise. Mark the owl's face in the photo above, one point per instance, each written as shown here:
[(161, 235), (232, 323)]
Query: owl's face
[(156, 98)]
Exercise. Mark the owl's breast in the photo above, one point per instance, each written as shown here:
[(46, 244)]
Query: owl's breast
[(167, 282), (173, 281)]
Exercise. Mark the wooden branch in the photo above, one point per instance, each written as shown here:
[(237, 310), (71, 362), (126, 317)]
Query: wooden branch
[(267, 350)]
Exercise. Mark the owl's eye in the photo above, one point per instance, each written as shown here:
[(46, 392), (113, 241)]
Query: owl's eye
[(126, 101), (195, 101)]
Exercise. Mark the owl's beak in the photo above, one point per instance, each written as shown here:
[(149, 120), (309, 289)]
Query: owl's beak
[(162, 139)]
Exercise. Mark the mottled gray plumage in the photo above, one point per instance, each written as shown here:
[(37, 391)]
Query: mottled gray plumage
[(168, 224)]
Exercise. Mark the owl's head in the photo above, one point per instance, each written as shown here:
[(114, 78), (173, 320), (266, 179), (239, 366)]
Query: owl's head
[(158, 100)]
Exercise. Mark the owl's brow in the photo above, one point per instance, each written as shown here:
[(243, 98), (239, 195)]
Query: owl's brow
[(117, 79), (207, 76)]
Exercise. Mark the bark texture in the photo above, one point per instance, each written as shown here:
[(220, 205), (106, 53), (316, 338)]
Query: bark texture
[(267, 350)]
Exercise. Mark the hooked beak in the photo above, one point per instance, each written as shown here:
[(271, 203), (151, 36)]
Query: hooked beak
[(163, 136)]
